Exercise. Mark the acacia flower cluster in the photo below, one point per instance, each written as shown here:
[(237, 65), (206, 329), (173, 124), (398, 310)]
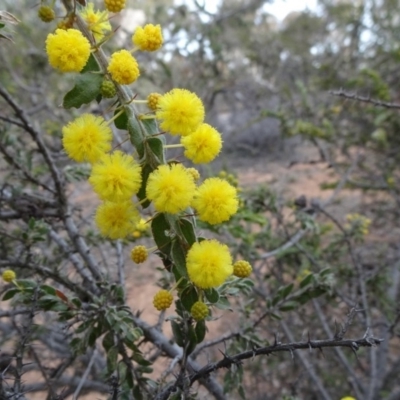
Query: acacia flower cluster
[(124, 182)]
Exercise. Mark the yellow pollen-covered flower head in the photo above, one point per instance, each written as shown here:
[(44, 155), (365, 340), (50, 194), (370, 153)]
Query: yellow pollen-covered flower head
[(162, 300), (348, 398), (116, 220), (215, 201), (171, 188), (148, 38), (96, 21), (242, 269), (68, 50), (123, 67), (87, 138), (139, 254), (199, 311), (152, 100), (116, 176), (181, 112), (203, 145), (114, 5), (209, 263), (9, 275)]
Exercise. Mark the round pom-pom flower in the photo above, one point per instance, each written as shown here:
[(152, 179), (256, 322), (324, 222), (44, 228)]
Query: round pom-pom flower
[(215, 201), (242, 269), (87, 138), (194, 173), (46, 13), (203, 145), (114, 5), (199, 311), (162, 300), (116, 176), (148, 38), (171, 188), (68, 50), (152, 100), (181, 112), (97, 21), (8, 275), (209, 263), (123, 67), (139, 254), (116, 220)]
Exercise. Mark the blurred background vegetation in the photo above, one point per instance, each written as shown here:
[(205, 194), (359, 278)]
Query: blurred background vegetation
[(281, 94)]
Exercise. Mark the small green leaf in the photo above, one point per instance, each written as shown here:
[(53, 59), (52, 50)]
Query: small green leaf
[(121, 122), (86, 89), (289, 306), (212, 295), (112, 358), (177, 332), (192, 338), (150, 126), (160, 228), (10, 294), (91, 65), (187, 229), (200, 330), (135, 134), (178, 254), (146, 171), (188, 297), (48, 289), (223, 304), (108, 341), (283, 292), (307, 280), (157, 147)]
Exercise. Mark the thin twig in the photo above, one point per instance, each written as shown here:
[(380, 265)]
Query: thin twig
[(364, 99)]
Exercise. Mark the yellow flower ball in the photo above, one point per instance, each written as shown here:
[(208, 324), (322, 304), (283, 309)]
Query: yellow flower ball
[(139, 254), (194, 173), (8, 275), (116, 176), (203, 145), (199, 311), (46, 13), (114, 5), (96, 21), (123, 67), (152, 100), (171, 188), (242, 269), (148, 38), (215, 201), (87, 138), (116, 220), (162, 300), (209, 263), (67, 50), (181, 112)]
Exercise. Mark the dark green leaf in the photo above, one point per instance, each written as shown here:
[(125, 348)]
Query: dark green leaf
[(288, 306), (146, 171), (177, 331), (178, 254), (150, 126), (212, 295), (91, 65), (187, 229), (121, 122), (200, 330), (160, 228), (108, 341), (26, 283), (284, 291), (129, 378), (112, 358), (86, 89), (188, 297), (307, 280), (10, 294), (136, 135), (157, 147), (192, 340), (48, 289)]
